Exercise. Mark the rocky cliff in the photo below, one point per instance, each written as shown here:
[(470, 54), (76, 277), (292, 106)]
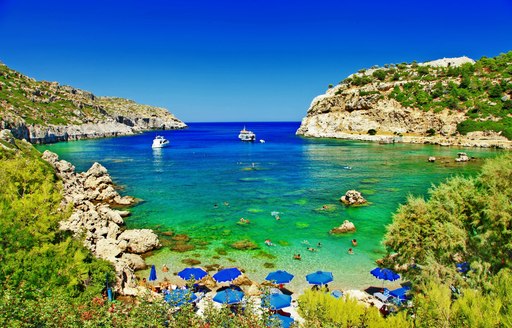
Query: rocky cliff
[(91, 194), (45, 112), (452, 101)]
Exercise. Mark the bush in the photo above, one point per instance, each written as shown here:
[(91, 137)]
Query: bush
[(380, 74), (372, 132)]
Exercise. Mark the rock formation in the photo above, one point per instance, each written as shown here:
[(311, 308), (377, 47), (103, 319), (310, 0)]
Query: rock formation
[(347, 226), (352, 197), (462, 157), (91, 194), (46, 112), (367, 106)]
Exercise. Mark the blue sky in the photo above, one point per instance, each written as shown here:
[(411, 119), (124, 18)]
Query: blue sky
[(240, 60)]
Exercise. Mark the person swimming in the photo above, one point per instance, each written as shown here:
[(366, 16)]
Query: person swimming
[(311, 249), (297, 257), (354, 242), (268, 242), (350, 251)]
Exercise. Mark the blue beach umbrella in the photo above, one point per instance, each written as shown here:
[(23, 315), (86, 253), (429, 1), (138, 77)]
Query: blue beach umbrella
[(276, 301), (178, 297), (229, 296), (279, 277), (286, 322), (228, 274), (189, 273), (385, 274), (152, 273), (319, 277)]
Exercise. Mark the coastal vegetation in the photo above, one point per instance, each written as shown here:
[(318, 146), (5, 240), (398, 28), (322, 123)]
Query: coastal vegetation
[(481, 90)]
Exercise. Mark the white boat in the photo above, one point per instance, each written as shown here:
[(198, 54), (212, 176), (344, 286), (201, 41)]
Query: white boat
[(262, 141), (246, 135), (160, 142)]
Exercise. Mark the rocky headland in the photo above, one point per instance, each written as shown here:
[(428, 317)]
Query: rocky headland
[(451, 101), (92, 197), (46, 112)]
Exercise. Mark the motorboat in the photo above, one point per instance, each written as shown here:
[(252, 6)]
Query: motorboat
[(160, 142), (246, 135)]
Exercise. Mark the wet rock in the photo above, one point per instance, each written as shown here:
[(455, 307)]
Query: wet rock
[(347, 226), (353, 197)]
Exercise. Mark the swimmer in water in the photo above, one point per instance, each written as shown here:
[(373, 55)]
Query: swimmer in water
[(354, 242)]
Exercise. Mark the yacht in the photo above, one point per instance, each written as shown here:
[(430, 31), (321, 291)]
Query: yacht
[(246, 135), (160, 142)]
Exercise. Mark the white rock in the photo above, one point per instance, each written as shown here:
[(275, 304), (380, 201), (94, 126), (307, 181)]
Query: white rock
[(140, 240), (107, 249)]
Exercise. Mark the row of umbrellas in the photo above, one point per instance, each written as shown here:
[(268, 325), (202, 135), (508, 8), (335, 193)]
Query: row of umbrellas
[(276, 300), (278, 277)]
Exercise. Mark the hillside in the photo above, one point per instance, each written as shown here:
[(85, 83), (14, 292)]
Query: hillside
[(43, 112), (452, 101)]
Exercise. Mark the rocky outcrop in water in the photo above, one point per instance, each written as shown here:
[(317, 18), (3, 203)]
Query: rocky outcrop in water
[(91, 195), (346, 226), (352, 197)]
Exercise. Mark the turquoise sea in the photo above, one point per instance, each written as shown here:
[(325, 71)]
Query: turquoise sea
[(195, 191)]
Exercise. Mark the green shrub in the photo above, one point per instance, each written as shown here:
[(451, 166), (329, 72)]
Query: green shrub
[(380, 74)]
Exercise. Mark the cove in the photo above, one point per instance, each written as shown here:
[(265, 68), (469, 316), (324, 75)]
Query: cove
[(195, 192)]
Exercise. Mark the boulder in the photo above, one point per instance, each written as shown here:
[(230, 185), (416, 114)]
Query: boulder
[(124, 214), (431, 159), (113, 231), (109, 214), (107, 249), (136, 262), (462, 157), (352, 197), (243, 281), (7, 136), (140, 240), (347, 226), (50, 157), (63, 166), (96, 170), (124, 201)]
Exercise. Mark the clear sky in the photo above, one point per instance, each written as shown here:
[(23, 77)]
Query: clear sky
[(245, 60)]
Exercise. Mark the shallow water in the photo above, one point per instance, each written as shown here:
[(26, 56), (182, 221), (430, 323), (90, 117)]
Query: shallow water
[(207, 165)]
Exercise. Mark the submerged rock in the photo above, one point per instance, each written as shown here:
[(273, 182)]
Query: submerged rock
[(353, 197)]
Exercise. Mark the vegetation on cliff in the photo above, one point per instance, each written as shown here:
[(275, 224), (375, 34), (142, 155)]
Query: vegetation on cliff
[(481, 90), (23, 99)]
